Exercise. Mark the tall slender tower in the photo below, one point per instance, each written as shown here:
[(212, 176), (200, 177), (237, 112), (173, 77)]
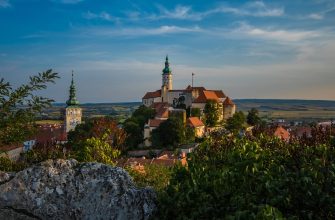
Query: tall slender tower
[(73, 112), (167, 75)]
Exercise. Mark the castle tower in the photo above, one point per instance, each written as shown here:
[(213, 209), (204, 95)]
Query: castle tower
[(167, 75), (73, 111), (229, 108)]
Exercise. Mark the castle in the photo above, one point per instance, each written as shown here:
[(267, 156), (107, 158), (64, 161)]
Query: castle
[(167, 100)]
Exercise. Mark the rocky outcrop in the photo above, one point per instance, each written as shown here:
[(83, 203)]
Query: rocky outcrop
[(66, 189)]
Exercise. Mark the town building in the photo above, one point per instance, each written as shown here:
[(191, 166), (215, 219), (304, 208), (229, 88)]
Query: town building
[(73, 112), (168, 101), (197, 125)]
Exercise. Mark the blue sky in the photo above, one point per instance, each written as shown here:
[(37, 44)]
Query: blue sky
[(249, 49)]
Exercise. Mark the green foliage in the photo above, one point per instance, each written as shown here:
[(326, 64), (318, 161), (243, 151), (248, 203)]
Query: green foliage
[(143, 114), (195, 112), (253, 118), (19, 107), (134, 133), (156, 176), (170, 133), (135, 124), (41, 153), (236, 123), (97, 150), (7, 165), (265, 178), (97, 128), (211, 113)]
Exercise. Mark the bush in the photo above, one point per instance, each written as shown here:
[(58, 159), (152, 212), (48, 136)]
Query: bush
[(264, 178)]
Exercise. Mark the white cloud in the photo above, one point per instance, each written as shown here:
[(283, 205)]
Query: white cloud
[(255, 9), (102, 15), (316, 16), (179, 12), (133, 32), (279, 35), (4, 4)]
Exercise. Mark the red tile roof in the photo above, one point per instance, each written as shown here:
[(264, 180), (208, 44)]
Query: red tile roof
[(228, 101), (162, 109), (188, 88), (282, 133), (205, 96), (163, 113), (10, 147), (158, 105), (155, 94), (219, 94), (195, 122), (164, 162), (167, 155), (50, 134), (155, 122)]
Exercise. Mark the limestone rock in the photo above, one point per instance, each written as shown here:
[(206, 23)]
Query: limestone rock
[(66, 189)]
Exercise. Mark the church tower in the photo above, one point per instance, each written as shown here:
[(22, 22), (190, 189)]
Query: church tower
[(166, 80), (167, 75), (73, 111)]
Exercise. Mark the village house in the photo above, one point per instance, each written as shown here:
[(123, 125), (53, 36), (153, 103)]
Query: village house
[(198, 126)]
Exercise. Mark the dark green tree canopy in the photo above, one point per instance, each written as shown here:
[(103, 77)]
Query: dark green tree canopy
[(170, 133), (253, 117), (135, 124), (19, 107), (211, 113), (236, 123)]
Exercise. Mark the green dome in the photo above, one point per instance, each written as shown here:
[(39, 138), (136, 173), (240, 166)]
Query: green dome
[(167, 69)]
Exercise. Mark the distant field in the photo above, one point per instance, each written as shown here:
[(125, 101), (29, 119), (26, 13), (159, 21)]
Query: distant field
[(303, 110), (41, 122), (292, 110)]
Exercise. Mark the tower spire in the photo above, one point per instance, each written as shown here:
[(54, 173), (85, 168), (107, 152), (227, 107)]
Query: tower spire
[(72, 96), (166, 69)]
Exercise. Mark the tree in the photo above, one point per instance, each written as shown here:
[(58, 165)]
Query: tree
[(98, 150), (253, 118), (264, 178), (211, 113), (156, 176), (135, 124), (193, 112), (235, 123), (143, 114), (99, 128), (134, 133), (19, 107), (169, 133)]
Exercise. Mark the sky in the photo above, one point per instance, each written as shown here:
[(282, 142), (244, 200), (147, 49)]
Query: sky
[(249, 49)]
